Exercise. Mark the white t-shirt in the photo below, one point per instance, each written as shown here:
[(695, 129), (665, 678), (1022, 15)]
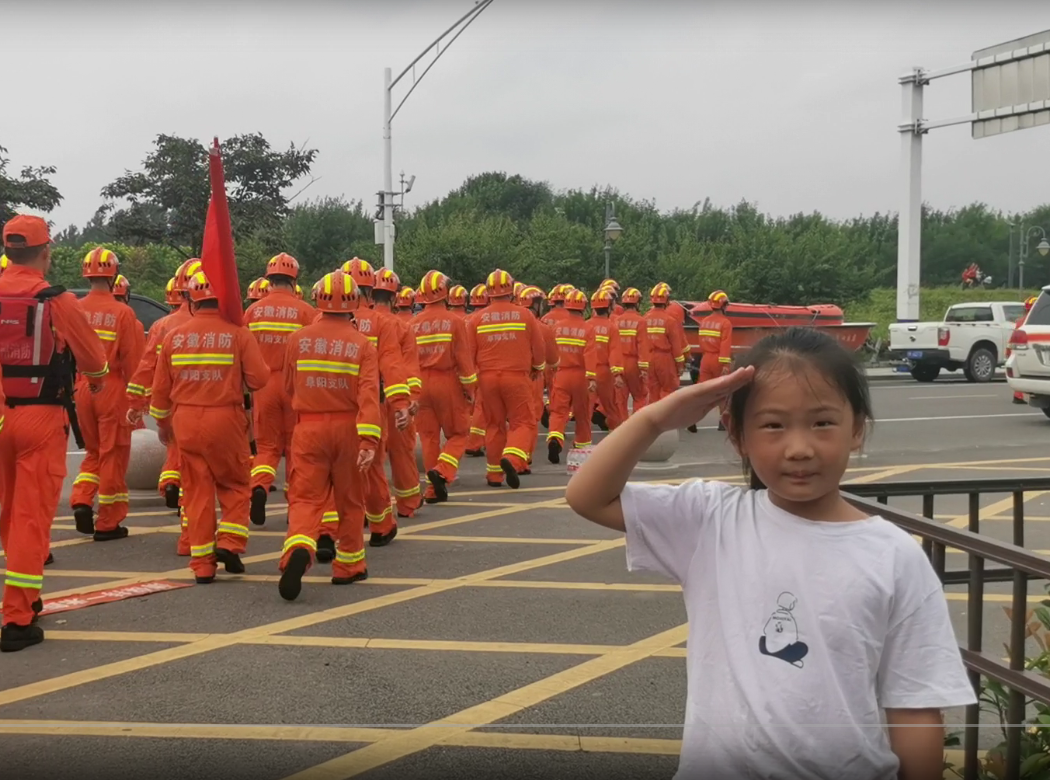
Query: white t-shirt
[(800, 632)]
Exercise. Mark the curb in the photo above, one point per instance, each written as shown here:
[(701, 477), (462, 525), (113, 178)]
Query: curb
[(145, 499)]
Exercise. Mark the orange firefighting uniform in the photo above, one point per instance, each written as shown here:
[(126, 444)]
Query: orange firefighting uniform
[(542, 383), (332, 376), (716, 345), (448, 375), (198, 391), (667, 356), (476, 439), (508, 348), (603, 362), (384, 334), (140, 389), (401, 445), (33, 452), (570, 392), (634, 345), (405, 314), (271, 320), (1018, 396), (103, 416)]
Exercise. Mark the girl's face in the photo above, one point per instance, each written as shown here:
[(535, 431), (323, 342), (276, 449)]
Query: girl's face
[(798, 434)]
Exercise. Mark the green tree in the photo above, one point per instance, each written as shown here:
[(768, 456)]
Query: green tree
[(30, 189)]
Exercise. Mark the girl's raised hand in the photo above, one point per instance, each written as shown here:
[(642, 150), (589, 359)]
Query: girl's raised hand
[(688, 406)]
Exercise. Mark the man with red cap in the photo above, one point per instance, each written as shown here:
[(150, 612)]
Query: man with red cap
[(38, 386)]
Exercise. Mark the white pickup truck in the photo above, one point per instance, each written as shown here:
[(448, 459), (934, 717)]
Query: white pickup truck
[(972, 336)]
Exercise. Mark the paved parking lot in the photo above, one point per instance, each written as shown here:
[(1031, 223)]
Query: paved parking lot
[(499, 636)]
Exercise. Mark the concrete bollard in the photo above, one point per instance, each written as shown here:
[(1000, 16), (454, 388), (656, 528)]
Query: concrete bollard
[(147, 460), (661, 450)]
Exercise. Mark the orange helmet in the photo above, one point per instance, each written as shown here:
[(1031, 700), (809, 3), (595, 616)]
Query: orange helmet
[(576, 300), (99, 263), (530, 293), (500, 284), (172, 296), (298, 292), (185, 273), (315, 290), (258, 289), (518, 287), (602, 299), (1030, 303), (631, 295), (457, 296), (610, 283), (362, 272), (406, 299), (479, 296), (661, 293), (336, 292), (387, 280), (718, 299), (283, 264), (433, 288), (558, 293), (201, 289), (122, 287)]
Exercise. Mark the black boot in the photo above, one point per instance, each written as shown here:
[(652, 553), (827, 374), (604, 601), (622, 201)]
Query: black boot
[(14, 637), (50, 558), (291, 583), (545, 418), (204, 580), (257, 513), (721, 426), (692, 428), (171, 496), (325, 549), (553, 450), (84, 519), (599, 419), (382, 540), (38, 607), (120, 532), (231, 560), (350, 580), (475, 453), (510, 474), (440, 487)]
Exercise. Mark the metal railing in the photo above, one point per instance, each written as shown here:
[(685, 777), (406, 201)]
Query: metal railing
[(1014, 564)]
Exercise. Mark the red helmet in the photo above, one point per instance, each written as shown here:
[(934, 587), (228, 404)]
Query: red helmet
[(283, 264), (406, 299), (201, 289), (631, 295), (387, 280), (185, 273), (479, 296), (336, 292), (258, 289), (122, 287), (576, 300), (718, 299), (362, 272), (433, 288), (610, 283), (172, 296), (661, 293), (530, 293), (500, 284), (602, 299), (1030, 303), (99, 263), (457, 296)]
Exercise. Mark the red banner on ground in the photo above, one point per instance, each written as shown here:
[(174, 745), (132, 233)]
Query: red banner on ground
[(91, 598)]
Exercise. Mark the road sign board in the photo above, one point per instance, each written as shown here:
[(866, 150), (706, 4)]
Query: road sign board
[(1011, 86)]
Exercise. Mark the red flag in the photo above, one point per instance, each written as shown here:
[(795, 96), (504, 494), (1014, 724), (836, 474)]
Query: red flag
[(220, 265)]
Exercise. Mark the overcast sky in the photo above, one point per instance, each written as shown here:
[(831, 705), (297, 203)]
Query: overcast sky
[(791, 104)]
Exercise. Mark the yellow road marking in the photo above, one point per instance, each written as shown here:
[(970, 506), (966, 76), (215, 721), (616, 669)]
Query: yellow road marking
[(962, 521), (884, 473), (397, 746)]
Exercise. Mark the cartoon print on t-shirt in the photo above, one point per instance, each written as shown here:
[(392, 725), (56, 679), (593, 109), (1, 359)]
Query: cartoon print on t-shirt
[(780, 636)]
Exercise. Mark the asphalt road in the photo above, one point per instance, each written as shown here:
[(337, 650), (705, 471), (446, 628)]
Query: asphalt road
[(499, 636)]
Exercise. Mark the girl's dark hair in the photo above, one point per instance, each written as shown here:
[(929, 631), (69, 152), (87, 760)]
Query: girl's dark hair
[(792, 348)]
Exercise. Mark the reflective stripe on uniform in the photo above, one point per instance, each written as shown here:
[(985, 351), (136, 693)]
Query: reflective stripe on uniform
[(97, 374), (225, 527), (299, 540), (376, 519), (412, 491), (202, 550), (349, 558), (273, 326), (115, 498), (330, 517), (434, 338), (14, 579), (203, 359), (364, 429), (264, 470), (84, 476), (516, 452), (106, 335), (329, 366)]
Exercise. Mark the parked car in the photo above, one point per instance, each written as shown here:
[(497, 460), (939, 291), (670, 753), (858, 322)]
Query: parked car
[(1028, 367), (146, 309), (972, 337)]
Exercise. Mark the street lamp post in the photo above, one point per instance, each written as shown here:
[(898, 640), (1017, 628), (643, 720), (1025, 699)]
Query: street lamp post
[(386, 199), (1043, 247), (612, 233)]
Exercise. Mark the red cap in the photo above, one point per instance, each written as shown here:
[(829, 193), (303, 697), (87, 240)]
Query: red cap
[(24, 231)]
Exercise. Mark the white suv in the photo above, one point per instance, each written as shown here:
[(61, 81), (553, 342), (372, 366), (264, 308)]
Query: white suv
[(1028, 367)]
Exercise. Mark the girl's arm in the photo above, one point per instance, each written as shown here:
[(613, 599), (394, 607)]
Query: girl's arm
[(594, 491), (919, 749)]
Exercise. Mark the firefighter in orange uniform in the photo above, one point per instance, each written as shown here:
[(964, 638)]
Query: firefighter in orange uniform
[(533, 298), (198, 392), (556, 299), (479, 299), (122, 289), (401, 443), (603, 358), (140, 389), (1019, 397), (332, 376), (404, 305), (457, 300), (613, 287), (449, 383), (509, 354), (634, 344), (38, 390), (570, 393), (667, 345), (258, 289), (270, 320), (103, 416)]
